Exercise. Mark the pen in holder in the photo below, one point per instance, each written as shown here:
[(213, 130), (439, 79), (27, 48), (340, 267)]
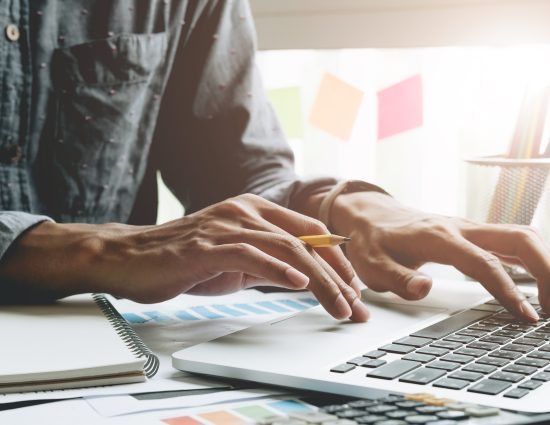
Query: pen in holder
[(506, 190)]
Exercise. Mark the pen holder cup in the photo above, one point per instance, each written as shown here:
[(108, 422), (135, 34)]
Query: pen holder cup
[(502, 190)]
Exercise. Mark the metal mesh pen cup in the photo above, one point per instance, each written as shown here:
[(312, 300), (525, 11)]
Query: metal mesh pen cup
[(503, 190)]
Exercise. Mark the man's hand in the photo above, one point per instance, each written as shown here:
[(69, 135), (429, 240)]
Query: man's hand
[(390, 242), (236, 244)]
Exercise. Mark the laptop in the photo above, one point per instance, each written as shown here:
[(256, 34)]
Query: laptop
[(457, 343)]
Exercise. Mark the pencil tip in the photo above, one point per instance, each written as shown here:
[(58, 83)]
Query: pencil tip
[(346, 239)]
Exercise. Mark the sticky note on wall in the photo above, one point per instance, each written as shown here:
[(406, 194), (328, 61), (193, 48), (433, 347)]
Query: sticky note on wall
[(400, 107), (336, 107), (287, 103)]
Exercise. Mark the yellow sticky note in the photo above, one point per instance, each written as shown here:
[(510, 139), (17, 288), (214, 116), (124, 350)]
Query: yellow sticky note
[(336, 107), (287, 103)]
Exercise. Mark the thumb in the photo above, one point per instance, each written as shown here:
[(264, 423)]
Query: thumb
[(391, 276)]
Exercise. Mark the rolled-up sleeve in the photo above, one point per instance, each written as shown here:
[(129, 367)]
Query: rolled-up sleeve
[(217, 134), (13, 224)]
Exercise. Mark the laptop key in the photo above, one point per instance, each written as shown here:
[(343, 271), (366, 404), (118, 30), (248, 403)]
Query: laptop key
[(465, 339), (535, 342), (397, 348), (342, 368), (374, 363), (472, 332), (507, 333), (545, 347), (439, 364), (374, 354), (528, 361), (539, 355), (538, 335), (451, 345), (520, 348), (479, 368), (394, 369), (359, 361), (518, 368), (466, 376), (471, 352), (493, 361), (512, 355), (450, 383), (489, 387), (507, 376), (495, 339), (415, 357), (414, 341), (422, 376), (479, 345), (432, 351), (516, 393), (457, 358), (451, 324), (542, 376), (530, 385)]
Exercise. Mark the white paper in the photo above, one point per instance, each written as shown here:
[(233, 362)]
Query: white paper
[(125, 404), (164, 338)]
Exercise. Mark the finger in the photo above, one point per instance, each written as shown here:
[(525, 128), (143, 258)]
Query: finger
[(245, 258), (385, 274), (486, 268), (359, 311), (294, 252), (521, 243), (338, 261)]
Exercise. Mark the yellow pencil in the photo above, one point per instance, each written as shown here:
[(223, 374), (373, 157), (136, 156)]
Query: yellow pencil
[(323, 241)]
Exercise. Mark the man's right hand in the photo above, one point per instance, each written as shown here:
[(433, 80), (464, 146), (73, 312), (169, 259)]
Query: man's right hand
[(238, 243)]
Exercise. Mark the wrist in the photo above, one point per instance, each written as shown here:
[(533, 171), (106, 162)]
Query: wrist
[(54, 260), (350, 208)]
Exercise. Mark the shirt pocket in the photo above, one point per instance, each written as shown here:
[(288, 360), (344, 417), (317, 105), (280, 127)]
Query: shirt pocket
[(107, 96)]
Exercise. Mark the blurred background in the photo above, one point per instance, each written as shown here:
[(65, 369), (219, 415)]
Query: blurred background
[(401, 92)]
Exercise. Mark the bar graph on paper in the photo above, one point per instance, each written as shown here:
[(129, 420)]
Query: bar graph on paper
[(214, 311)]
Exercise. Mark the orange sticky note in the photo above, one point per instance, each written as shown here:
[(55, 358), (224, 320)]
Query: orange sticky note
[(400, 107), (336, 106), (182, 420), (222, 417)]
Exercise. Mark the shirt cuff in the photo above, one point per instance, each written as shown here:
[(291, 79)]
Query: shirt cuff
[(13, 224)]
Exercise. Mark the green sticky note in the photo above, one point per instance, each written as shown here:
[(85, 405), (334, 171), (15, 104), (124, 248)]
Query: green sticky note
[(254, 412), (288, 106)]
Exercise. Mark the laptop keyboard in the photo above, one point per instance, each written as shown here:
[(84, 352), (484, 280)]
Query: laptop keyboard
[(484, 350)]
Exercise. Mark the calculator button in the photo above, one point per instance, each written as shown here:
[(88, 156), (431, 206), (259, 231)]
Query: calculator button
[(349, 413), (420, 419), (369, 419), (482, 411), (457, 415), (361, 404)]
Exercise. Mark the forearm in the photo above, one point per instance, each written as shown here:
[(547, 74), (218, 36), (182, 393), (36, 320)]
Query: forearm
[(50, 261)]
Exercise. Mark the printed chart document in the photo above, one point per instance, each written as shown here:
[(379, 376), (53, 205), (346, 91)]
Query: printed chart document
[(182, 322)]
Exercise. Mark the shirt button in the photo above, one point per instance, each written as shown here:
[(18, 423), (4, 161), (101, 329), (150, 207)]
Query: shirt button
[(12, 32)]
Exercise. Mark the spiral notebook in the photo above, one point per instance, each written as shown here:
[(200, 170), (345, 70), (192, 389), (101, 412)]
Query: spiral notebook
[(79, 341)]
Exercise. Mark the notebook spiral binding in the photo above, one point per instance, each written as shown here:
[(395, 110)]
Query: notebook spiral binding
[(128, 335)]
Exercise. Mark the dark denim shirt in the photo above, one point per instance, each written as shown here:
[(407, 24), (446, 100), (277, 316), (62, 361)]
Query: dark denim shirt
[(97, 96)]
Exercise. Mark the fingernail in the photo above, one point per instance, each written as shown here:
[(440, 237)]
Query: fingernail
[(356, 285), (528, 311), (360, 310), (419, 286), (296, 277), (342, 307)]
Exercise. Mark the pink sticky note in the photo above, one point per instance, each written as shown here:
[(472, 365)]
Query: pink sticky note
[(336, 107), (400, 107)]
